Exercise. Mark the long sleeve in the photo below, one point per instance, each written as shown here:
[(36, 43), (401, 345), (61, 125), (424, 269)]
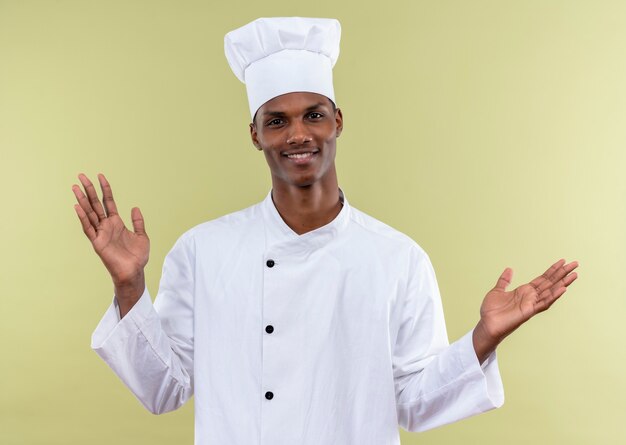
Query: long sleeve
[(151, 348), (437, 383)]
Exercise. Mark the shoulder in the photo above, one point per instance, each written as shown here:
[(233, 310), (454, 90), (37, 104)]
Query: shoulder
[(381, 236), (377, 230), (232, 225)]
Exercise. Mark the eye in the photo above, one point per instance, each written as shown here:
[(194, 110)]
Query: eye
[(274, 122), (315, 115)]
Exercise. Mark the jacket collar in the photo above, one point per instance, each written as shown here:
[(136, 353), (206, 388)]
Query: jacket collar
[(280, 237)]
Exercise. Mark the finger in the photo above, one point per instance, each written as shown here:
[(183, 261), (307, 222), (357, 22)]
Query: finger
[(554, 295), (107, 196), (562, 283), (557, 276), (549, 296), (93, 196), (138, 223), (85, 206), (505, 279), (570, 279), (84, 221), (547, 274), (564, 270)]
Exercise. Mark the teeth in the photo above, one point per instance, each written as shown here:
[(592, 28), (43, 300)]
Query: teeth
[(299, 155)]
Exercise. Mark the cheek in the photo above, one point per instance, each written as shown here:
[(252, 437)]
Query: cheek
[(266, 145), (331, 146), (269, 142), (268, 156), (272, 156)]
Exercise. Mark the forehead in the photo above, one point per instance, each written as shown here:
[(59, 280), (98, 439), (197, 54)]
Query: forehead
[(294, 102)]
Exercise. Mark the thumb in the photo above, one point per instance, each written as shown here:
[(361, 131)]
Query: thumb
[(505, 279), (137, 218)]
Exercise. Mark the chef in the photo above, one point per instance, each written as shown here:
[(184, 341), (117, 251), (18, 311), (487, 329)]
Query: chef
[(299, 320)]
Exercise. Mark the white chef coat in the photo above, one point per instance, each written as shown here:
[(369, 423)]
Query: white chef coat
[(336, 336)]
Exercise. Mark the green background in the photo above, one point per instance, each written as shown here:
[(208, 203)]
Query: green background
[(492, 132)]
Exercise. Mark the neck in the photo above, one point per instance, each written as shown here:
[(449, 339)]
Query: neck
[(307, 208)]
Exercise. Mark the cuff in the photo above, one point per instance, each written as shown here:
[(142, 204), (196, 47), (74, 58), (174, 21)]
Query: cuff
[(111, 321), (491, 380)]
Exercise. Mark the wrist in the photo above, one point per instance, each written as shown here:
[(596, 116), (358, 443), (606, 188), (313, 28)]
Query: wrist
[(129, 281), (129, 291), (484, 342)]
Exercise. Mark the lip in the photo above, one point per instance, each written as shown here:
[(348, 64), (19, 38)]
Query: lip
[(301, 160), (302, 150)]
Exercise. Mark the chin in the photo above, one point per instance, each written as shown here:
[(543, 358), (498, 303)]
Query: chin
[(304, 183), (303, 180)]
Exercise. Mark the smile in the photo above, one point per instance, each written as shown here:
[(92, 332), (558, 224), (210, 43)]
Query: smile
[(300, 155), (302, 158)]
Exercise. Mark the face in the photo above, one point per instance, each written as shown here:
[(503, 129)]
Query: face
[(297, 132)]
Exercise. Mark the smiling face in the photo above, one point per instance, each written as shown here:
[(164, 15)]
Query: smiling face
[(297, 132)]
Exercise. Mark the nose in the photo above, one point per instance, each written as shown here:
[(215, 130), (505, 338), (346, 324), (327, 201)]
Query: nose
[(298, 134)]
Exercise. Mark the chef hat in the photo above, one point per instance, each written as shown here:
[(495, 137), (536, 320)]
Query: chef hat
[(280, 55)]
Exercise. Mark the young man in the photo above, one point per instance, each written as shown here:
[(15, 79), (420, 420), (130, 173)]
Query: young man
[(299, 320)]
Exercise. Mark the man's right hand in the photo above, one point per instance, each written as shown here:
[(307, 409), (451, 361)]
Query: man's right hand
[(124, 253)]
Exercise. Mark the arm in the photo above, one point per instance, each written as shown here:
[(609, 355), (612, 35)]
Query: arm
[(150, 351), (437, 384), (151, 348)]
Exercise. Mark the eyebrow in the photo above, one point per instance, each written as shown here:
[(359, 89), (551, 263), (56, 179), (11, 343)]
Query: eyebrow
[(281, 113)]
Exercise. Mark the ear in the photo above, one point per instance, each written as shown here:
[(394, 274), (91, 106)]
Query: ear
[(338, 121), (254, 136)]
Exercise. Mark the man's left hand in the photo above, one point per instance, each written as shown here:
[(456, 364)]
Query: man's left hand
[(504, 311)]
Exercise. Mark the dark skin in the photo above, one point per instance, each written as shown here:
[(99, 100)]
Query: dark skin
[(297, 133), (305, 190)]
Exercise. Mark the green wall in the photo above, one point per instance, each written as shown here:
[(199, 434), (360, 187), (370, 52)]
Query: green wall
[(492, 132)]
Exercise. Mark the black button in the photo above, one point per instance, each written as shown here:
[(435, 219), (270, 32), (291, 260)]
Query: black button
[(269, 328), (270, 263), (269, 395)]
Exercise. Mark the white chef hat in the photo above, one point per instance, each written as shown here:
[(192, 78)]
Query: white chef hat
[(280, 55)]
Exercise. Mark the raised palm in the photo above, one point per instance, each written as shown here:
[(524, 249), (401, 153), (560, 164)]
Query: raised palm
[(504, 311), (124, 253)]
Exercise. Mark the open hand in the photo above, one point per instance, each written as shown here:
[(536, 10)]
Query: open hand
[(504, 311), (123, 252)]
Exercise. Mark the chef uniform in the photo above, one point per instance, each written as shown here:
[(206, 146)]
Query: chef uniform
[(336, 336)]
